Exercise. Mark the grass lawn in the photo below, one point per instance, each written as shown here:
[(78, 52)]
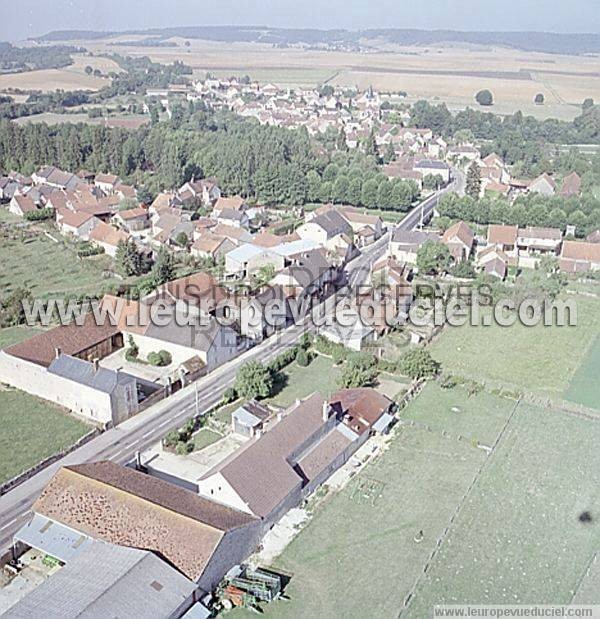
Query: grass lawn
[(31, 431), (358, 556), (320, 375), (49, 268), (479, 417), (204, 438), (584, 387), (518, 538), (14, 335), (539, 359)]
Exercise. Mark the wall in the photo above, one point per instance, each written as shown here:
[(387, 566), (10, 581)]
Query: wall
[(234, 548), (217, 488), (178, 353), (36, 380)]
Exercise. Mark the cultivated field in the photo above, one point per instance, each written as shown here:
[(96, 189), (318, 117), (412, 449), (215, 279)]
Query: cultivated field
[(72, 77), (451, 74), (49, 269), (128, 121), (32, 430), (14, 335), (540, 360)]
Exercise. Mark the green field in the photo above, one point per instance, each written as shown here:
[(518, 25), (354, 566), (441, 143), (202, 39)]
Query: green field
[(204, 438), (32, 430), (320, 375), (503, 528), (539, 359), (518, 539), (358, 556), (14, 335), (584, 387), (479, 417), (50, 269)]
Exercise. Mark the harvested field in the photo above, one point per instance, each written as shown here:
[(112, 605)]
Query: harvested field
[(449, 74)]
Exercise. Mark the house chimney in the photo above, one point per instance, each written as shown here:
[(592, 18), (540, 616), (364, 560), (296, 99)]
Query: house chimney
[(325, 410), (96, 364), (57, 352)]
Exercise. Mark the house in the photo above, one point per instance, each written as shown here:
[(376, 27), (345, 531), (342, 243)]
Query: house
[(579, 257), (468, 152), (79, 223), (133, 583), (20, 205), (206, 191), (543, 185), (60, 365), (571, 185), (460, 240), (210, 245), (593, 237), (353, 333), (117, 388), (234, 203), (433, 167), (404, 244), (533, 240), (199, 293), (107, 182), (247, 259), (231, 217), (324, 227), (107, 237), (367, 227), (399, 171), (248, 419), (234, 234), (311, 440), (308, 276), (133, 219), (496, 268), (103, 501), (503, 237), (54, 177), (125, 192)]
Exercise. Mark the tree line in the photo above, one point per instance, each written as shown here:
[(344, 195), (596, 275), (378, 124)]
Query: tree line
[(529, 210)]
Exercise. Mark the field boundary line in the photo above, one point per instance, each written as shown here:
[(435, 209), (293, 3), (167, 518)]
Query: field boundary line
[(585, 574), (459, 507)]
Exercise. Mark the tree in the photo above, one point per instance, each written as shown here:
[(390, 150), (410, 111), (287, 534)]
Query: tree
[(473, 188), (371, 145), (587, 104), (539, 99), (253, 380), (163, 270), (264, 275), (433, 257), (302, 358), (390, 153), (370, 193), (485, 98), (89, 70), (182, 239), (418, 363), (128, 260), (360, 370)]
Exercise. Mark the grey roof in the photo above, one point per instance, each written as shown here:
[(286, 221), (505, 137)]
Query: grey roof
[(197, 336), (309, 267), (53, 538), (84, 373), (106, 580), (414, 238), (333, 223), (431, 164)]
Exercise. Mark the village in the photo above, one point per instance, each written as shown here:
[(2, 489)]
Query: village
[(224, 458)]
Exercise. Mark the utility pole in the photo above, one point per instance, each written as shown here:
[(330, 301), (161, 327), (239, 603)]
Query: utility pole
[(197, 402)]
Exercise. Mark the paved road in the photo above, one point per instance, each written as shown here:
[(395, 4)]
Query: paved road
[(120, 444)]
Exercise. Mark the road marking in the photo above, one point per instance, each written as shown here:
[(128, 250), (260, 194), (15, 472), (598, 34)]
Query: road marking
[(8, 524)]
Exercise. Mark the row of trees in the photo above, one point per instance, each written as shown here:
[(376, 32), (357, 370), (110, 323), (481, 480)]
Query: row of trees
[(537, 210)]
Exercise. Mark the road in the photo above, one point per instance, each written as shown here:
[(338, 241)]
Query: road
[(121, 444)]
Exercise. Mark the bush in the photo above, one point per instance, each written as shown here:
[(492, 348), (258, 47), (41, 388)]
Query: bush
[(283, 359), (172, 438), (86, 249), (230, 395), (165, 357), (41, 214), (181, 449), (303, 358), (154, 359), (418, 363), (360, 371)]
